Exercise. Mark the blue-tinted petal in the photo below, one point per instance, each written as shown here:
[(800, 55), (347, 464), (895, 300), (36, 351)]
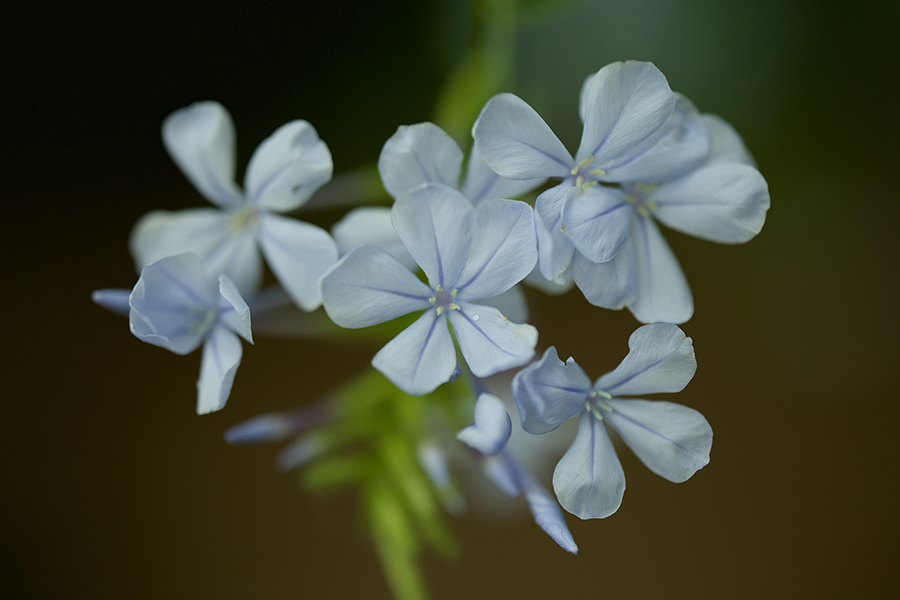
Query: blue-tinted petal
[(233, 311), (369, 286), (436, 223), (489, 341), (482, 183), (287, 168), (299, 452), (597, 220), (492, 426), (276, 426), (613, 284), (725, 143), (299, 254), (113, 300), (503, 252), (221, 358), (421, 357), (512, 303), (417, 154), (588, 480), (370, 225), (516, 142), (660, 359), (555, 248), (549, 392), (546, 512), (663, 294), (672, 440), (200, 139)]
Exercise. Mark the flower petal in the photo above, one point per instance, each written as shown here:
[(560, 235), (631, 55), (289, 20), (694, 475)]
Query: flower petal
[(200, 139), (287, 168), (233, 310), (546, 512), (369, 286), (418, 154), (625, 103), (215, 236), (299, 254), (660, 359), (436, 223), (555, 248), (482, 183), (549, 392), (725, 143), (221, 358), (588, 480), (492, 426), (421, 357), (370, 225), (613, 284), (503, 252), (672, 440), (173, 304), (597, 220), (724, 202), (113, 300), (516, 142), (490, 342), (663, 294), (512, 303)]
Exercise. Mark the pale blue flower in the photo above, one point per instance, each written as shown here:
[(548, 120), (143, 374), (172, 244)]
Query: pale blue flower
[(489, 435), (672, 440), (468, 254), (176, 305), (283, 173)]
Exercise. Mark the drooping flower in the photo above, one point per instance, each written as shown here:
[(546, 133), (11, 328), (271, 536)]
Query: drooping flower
[(672, 440), (283, 173), (489, 435), (178, 306), (468, 254)]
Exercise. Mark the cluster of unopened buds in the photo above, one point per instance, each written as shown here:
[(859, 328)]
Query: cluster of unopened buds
[(452, 252)]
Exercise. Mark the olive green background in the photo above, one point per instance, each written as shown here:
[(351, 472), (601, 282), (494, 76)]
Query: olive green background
[(114, 488)]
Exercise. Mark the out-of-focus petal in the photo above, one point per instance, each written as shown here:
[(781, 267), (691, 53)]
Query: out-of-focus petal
[(663, 294), (512, 303), (113, 300), (223, 241), (588, 480), (556, 287), (233, 310), (299, 254), (660, 359), (492, 426), (370, 225), (221, 357), (482, 183), (173, 304), (287, 168), (626, 102), (369, 286), (672, 440), (613, 284), (299, 452), (436, 223), (277, 426), (725, 143), (503, 252), (489, 341), (417, 154), (516, 142), (725, 203), (200, 139), (597, 220), (555, 248), (421, 357), (549, 392)]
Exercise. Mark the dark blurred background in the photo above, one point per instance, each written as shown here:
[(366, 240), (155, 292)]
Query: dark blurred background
[(114, 488)]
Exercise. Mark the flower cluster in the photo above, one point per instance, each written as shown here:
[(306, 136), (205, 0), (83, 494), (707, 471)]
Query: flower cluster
[(453, 252)]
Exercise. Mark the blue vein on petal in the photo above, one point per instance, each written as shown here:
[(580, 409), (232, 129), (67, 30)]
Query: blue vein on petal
[(483, 334), (227, 196), (653, 431), (180, 285), (425, 346), (493, 254), (601, 214)]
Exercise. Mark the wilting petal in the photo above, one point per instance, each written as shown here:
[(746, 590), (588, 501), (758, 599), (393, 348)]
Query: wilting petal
[(504, 249), (663, 293), (672, 440), (660, 359), (492, 426), (588, 480), (516, 142), (220, 239), (725, 143), (549, 392), (173, 304), (555, 248), (221, 358), (437, 224), (200, 139), (597, 221), (490, 342), (421, 357), (233, 311), (546, 512), (299, 254), (418, 154), (725, 203), (287, 168), (482, 183), (370, 225), (612, 284), (369, 286), (113, 300), (626, 102)]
